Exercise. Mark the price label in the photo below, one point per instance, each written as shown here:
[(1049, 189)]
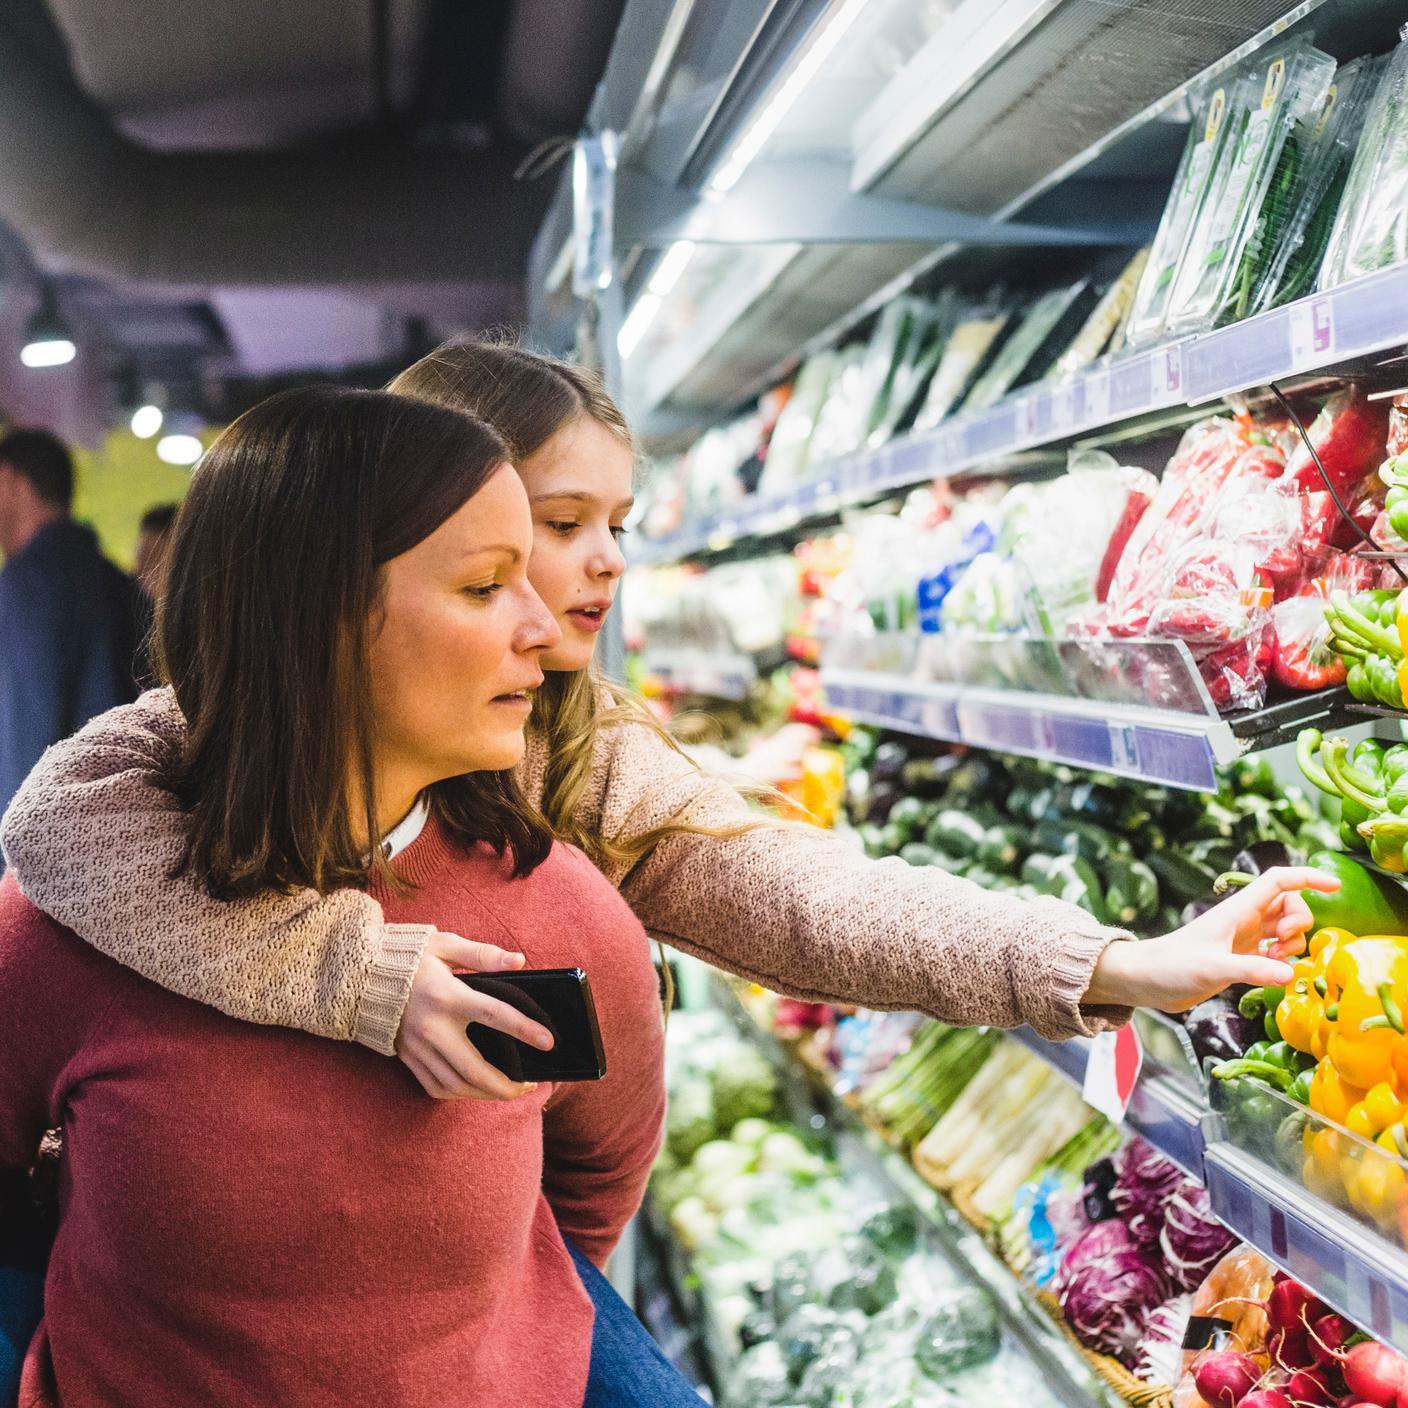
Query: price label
[(1026, 418), (1065, 411), (1112, 1072), (1124, 746), (1097, 397), (1166, 374), (1312, 329)]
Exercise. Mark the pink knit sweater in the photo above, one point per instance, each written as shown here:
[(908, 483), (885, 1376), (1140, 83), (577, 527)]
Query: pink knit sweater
[(93, 840)]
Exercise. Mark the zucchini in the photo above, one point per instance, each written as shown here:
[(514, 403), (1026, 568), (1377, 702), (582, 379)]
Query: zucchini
[(917, 853), (981, 877), (1037, 868), (955, 832), (1216, 855), (1001, 848), (908, 817), (1075, 881), (1131, 891), (1097, 802), (1181, 879), (952, 864)]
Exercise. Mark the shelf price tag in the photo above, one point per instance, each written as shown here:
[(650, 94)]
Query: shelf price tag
[(1112, 1072), (1312, 332), (1026, 419), (1064, 408), (1166, 374), (1097, 397)]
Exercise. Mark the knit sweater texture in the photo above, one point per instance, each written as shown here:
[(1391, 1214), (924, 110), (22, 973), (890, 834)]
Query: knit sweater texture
[(251, 1215), (93, 838)]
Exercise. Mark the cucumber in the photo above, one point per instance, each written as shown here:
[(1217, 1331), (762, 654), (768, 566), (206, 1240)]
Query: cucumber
[(908, 817), (1131, 891), (981, 877), (1077, 838), (955, 832), (1097, 802), (953, 864), (917, 853), (1001, 848), (1181, 879)]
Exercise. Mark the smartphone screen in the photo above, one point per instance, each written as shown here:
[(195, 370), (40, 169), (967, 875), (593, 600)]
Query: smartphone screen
[(558, 998)]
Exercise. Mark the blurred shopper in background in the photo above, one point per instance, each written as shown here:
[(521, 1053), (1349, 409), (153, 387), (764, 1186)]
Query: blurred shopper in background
[(68, 617), (153, 543)]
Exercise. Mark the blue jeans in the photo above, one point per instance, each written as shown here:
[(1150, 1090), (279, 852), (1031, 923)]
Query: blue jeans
[(21, 1305), (628, 1369)]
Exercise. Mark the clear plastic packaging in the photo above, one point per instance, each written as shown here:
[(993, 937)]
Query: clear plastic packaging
[(790, 450), (1102, 328), (1372, 229), (965, 352), (1196, 169), (1251, 190), (1028, 351), (1328, 146)]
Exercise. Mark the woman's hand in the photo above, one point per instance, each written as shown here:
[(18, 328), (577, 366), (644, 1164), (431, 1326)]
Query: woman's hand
[(1245, 939), (432, 1040)]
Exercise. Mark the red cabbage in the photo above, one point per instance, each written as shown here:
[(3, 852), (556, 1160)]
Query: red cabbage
[(1107, 1287), (1160, 1357), (1145, 1183), (1193, 1241)]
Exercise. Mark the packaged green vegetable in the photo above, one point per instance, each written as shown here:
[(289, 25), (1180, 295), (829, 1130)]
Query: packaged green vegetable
[(1034, 344), (1206, 138), (963, 356), (1329, 144), (1371, 231), (1249, 198)]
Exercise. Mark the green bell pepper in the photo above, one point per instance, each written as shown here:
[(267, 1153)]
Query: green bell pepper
[(1365, 903)]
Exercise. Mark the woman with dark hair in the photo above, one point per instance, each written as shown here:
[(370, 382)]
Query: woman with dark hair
[(793, 907), (252, 1215)]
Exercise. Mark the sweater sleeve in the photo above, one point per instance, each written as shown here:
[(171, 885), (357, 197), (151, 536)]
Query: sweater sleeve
[(806, 913), (93, 839)]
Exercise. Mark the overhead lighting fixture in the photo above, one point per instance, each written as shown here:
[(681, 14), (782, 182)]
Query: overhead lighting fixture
[(830, 31), (48, 341), (146, 421), (179, 449), (661, 283)]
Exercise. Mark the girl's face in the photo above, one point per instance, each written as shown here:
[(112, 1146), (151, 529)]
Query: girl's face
[(579, 486), (457, 647)]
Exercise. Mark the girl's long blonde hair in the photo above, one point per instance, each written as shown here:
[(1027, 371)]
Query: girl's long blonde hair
[(527, 397)]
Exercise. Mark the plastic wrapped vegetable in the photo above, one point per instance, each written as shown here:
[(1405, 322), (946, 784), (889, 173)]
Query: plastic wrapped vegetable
[(1251, 185), (1228, 1312), (1145, 1182), (1108, 1286), (1160, 1356), (965, 352), (960, 1332), (1372, 229), (1206, 138)]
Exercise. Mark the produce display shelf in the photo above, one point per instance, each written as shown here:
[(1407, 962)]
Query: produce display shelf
[(1168, 1115), (717, 676), (813, 1101), (1313, 335), (1163, 746), (1347, 1265)]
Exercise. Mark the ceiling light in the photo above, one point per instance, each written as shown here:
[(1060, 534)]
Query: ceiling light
[(671, 267), (639, 318), (766, 121), (179, 449), (48, 341), (146, 421)]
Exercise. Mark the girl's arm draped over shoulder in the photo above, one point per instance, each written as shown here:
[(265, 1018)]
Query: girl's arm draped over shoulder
[(93, 838), (806, 913)]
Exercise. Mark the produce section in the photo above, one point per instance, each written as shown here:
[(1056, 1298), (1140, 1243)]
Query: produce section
[(1079, 572)]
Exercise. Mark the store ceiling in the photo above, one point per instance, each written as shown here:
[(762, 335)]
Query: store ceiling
[(228, 191)]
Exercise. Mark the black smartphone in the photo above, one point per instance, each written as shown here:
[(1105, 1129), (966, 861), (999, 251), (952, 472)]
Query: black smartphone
[(559, 999)]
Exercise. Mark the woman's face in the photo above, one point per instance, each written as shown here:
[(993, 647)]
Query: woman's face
[(457, 647), (579, 485)]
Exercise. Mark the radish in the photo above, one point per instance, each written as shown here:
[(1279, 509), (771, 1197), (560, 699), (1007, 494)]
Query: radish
[(1266, 1398), (1291, 1306), (1289, 1347), (1375, 1373), (1223, 1380), (1310, 1386), (1327, 1338)]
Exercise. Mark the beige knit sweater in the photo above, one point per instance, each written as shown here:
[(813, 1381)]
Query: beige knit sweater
[(93, 840)]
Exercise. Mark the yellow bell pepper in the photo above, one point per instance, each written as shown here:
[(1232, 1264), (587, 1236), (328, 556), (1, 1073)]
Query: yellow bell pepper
[(1381, 1183), (1376, 1112), (1331, 1095), (1366, 993), (1301, 1014)]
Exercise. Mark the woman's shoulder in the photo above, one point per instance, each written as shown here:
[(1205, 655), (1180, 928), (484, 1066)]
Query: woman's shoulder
[(39, 954)]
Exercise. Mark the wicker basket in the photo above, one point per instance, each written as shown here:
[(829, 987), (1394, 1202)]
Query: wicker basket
[(1132, 1390)]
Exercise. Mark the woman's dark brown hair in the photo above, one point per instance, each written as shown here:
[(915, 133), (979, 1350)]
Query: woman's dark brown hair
[(264, 632)]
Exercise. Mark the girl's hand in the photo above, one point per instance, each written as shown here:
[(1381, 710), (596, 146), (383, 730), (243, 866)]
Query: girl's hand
[(432, 1040), (1245, 939)]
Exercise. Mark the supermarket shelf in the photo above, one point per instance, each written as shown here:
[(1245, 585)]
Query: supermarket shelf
[(1345, 1264), (1312, 336), (1162, 1110), (717, 676), (1158, 745)]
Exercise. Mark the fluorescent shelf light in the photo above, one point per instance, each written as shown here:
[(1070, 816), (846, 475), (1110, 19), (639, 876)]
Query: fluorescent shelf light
[(639, 318), (662, 282), (52, 352), (179, 449), (671, 267), (146, 421), (764, 123)]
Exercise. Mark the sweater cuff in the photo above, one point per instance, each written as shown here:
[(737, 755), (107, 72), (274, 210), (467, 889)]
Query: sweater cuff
[(388, 986), (1077, 950)]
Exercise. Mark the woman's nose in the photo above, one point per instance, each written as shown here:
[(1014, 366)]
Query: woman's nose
[(536, 629), (609, 562)]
